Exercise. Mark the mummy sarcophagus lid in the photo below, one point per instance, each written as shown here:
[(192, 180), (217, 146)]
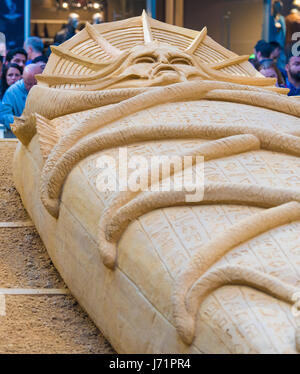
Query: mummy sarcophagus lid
[(156, 271)]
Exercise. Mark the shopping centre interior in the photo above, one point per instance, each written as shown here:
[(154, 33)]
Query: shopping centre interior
[(236, 24)]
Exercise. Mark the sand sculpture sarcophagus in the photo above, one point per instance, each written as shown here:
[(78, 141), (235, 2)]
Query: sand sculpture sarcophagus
[(158, 273)]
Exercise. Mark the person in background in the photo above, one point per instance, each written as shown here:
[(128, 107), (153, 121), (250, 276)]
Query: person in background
[(253, 58), (11, 73), (278, 31), (69, 31), (15, 97), (1, 65), (293, 75), (277, 50), (270, 70), (2, 52), (41, 61), (81, 26), (6, 118), (34, 47), (17, 56), (97, 18), (262, 52), (2, 49)]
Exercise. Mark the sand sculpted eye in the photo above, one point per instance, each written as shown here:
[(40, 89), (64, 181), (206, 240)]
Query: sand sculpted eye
[(180, 61), (145, 60)]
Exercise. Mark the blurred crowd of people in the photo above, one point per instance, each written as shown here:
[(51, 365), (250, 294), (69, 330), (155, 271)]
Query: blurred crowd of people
[(20, 66), (280, 58), (266, 60), (17, 76)]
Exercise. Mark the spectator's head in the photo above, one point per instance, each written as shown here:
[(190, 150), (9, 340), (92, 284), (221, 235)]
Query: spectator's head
[(276, 49), (11, 73), (263, 51), (41, 61), (17, 56), (293, 70), (73, 20), (257, 46), (34, 47), (97, 18), (29, 74), (270, 70)]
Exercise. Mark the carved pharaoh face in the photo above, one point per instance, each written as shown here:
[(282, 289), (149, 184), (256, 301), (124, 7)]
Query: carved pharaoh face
[(94, 63), (156, 64), (143, 66)]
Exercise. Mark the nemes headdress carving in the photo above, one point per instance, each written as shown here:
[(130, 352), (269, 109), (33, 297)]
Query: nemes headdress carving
[(143, 52)]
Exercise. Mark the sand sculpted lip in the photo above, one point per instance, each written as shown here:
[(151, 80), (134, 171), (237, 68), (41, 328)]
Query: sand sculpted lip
[(156, 273), (162, 69)]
